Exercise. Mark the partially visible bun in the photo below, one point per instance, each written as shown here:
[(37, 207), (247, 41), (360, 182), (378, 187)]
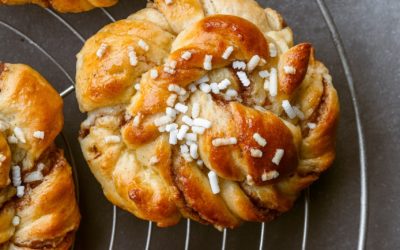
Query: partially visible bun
[(64, 5), (45, 214)]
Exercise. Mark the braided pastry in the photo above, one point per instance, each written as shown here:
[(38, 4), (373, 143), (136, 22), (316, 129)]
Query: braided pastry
[(64, 5), (227, 121), (38, 208)]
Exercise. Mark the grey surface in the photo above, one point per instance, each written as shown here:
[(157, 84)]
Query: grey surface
[(370, 33)]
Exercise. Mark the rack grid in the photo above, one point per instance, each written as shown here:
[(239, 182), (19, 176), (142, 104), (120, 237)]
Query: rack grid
[(306, 197)]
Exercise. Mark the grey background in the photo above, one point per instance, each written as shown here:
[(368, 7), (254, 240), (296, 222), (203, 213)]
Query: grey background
[(370, 32)]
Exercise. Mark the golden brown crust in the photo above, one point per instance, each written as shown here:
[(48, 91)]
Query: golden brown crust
[(64, 5), (249, 121), (183, 13), (35, 106), (143, 173), (109, 80), (47, 214), (296, 57), (5, 163)]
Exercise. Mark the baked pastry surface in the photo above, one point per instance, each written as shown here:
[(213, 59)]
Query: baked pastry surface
[(38, 207), (204, 110), (64, 5)]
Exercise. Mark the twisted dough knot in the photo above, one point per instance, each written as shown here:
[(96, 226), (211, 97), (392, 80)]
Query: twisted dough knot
[(219, 149), (38, 208), (64, 5)]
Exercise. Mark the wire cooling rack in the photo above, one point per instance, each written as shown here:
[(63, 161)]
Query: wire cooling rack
[(225, 234)]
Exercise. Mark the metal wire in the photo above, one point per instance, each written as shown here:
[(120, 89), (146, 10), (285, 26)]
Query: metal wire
[(76, 33), (72, 163), (67, 91), (306, 216), (224, 239), (363, 163), (37, 46), (114, 224), (108, 14), (261, 246), (148, 240), (187, 238)]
